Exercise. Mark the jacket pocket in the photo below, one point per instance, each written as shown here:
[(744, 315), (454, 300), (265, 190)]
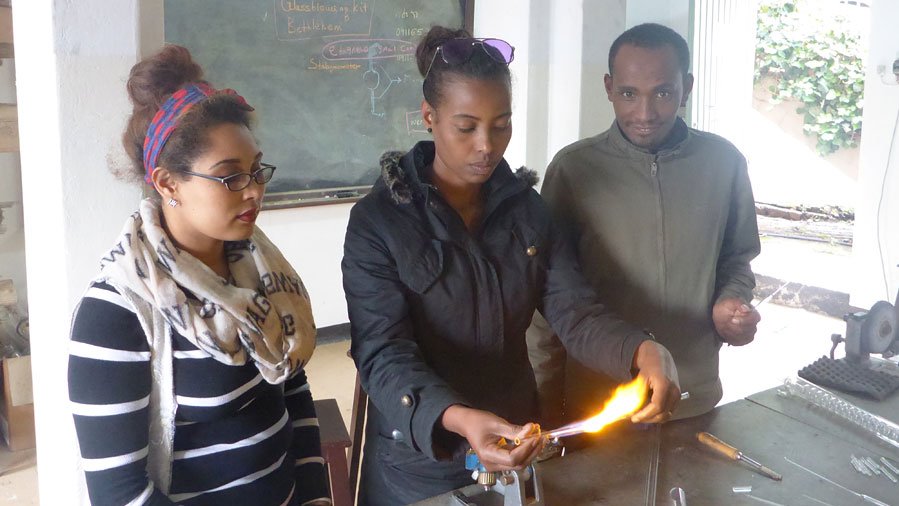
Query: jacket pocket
[(397, 453), (422, 268)]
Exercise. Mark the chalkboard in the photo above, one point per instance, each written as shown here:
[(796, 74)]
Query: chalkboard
[(334, 82)]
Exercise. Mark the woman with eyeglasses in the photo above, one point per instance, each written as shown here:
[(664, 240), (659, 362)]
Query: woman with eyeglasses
[(187, 351), (444, 264)]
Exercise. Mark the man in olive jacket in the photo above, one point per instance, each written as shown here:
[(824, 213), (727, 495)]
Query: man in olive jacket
[(663, 219)]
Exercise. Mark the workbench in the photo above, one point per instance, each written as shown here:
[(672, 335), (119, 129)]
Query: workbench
[(611, 468)]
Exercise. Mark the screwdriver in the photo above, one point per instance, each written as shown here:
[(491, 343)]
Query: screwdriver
[(734, 454)]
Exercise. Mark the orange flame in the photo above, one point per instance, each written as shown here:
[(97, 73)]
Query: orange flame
[(626, 400)]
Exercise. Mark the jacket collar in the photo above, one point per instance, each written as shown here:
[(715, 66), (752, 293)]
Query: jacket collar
[(406, 176), (679, 136)]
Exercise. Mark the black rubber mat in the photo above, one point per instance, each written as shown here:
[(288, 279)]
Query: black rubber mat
[(849, 377)]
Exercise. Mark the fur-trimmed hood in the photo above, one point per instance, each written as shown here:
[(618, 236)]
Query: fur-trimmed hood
[(403, 182)]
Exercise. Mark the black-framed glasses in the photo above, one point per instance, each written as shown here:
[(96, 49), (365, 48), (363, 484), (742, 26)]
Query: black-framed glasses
[(239, 181), (459, 51)]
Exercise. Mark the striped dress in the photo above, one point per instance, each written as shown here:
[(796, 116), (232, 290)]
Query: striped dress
[(238, 440)]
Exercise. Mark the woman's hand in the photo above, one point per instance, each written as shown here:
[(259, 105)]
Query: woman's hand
[(483, 430), (657, 367)]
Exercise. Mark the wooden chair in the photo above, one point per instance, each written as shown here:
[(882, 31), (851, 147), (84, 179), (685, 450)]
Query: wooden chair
[(335, 441), (337, 445), (360, 405)]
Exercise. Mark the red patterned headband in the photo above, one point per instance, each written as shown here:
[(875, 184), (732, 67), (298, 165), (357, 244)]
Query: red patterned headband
[(166, 119)]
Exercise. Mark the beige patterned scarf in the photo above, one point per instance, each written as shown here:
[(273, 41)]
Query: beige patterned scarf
[(263, 315)]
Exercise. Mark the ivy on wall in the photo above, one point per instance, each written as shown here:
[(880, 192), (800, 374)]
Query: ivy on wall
[(818, 62)]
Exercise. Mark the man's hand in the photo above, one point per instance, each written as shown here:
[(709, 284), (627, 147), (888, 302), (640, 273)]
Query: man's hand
[(657, 367), (735, 321), (483, 430)]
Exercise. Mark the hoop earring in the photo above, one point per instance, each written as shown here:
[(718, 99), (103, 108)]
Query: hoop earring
[(430, 130), (173, 202)]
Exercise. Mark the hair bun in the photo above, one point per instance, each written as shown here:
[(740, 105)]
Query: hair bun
[(150, 83), (427, 47), (152, 80)]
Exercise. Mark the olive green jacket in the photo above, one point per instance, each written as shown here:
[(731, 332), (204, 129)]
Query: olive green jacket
[(661, 237)]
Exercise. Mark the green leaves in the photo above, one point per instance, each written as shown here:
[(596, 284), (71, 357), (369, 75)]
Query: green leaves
[(816, 61)]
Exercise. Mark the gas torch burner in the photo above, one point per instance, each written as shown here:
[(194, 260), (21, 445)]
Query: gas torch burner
[(517, 488)]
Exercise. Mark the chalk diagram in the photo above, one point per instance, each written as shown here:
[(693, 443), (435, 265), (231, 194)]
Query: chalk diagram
[(378, 80)]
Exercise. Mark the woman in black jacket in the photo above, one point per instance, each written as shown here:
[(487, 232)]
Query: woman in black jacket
[(444, 263)]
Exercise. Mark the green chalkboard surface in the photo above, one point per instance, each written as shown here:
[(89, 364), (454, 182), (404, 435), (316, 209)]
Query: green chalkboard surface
[(334, 82)]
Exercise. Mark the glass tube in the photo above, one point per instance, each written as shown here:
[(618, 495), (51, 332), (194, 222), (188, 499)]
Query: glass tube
[(880, 427)]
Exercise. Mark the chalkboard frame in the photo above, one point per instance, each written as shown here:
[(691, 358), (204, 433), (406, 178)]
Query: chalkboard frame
[(291, 190)]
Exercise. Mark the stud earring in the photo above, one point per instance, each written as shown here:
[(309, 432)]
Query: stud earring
[(173, 202), (430, 129)]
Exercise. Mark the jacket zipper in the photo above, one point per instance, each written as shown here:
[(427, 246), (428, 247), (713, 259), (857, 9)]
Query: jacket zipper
[(654, 170), (466, 243), (474, 295)]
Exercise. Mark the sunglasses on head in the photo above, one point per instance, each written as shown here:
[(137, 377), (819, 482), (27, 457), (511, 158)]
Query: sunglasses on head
[(459, 51)]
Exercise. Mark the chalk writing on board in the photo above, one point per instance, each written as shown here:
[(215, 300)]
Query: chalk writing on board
[(367, 49), (296, 20), (415, 123), (316, 64), (377, 78)]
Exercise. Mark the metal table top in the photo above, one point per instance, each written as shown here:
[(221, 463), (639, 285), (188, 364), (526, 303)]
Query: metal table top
[(610, 468)]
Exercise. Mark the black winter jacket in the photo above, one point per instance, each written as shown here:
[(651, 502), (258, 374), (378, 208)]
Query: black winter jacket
[(438, 317)]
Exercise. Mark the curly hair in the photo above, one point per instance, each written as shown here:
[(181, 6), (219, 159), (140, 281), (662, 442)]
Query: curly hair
[(151, 82)]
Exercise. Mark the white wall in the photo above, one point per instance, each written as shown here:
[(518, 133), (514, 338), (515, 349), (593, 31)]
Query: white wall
[(493, 19), (568, 52), (604, 20), (674, 14), (564, 38), (876, 244), (70, 64), (311, 238)]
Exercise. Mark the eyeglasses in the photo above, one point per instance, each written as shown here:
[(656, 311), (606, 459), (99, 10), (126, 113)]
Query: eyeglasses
[(237, 182), (459, 51)]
